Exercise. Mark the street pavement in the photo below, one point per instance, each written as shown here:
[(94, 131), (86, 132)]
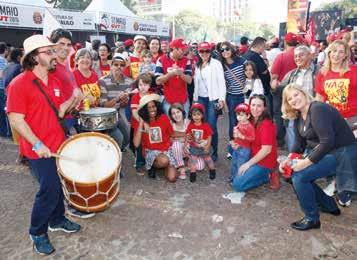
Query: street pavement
[(154, 219)]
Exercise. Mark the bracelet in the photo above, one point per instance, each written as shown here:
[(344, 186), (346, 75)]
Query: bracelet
[(37, 146)]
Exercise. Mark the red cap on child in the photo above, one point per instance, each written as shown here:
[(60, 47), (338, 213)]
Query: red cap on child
[(198, 106), (243, 107)]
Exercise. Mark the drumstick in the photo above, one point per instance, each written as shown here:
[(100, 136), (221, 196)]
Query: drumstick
[(63, 157)]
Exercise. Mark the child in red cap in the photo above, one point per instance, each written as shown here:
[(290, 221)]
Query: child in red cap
[(198, 141), (244, 135)]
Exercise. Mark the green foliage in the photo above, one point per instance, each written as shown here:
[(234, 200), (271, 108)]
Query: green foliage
[(348, 7), (131, 4), (70, 4)]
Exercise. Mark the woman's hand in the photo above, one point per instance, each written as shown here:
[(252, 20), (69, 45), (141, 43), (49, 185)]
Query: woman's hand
[(300, 164), (244, 167), (234, 145)]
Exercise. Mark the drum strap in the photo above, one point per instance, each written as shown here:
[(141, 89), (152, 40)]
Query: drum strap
[(60, 120)]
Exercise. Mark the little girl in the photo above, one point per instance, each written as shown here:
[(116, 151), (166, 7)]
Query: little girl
[(198, 141), (244, 135), (146, 65), (143, 82), (253, 84), (179, 124)]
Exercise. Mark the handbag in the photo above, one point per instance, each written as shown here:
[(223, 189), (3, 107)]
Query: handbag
[(240, 83), (54, 109)]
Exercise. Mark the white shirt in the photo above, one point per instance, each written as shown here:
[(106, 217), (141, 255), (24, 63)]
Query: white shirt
[(202, 87)]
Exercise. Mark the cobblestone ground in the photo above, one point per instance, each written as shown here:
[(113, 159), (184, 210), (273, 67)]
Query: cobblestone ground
[(153, 219)]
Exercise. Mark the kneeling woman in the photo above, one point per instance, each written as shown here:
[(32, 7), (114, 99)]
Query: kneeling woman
[(322, 134), (154, 133)]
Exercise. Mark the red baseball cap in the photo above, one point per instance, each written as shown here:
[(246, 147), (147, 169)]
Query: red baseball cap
[(204, 46), (128, 42), (332, 37), (177, 44), (291, 38), (198, 106), (243, 107)]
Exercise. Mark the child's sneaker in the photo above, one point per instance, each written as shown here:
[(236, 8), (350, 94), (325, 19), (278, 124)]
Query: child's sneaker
[(140, 171), (42, 244), (344, 198), (212, 174), (193, 176)]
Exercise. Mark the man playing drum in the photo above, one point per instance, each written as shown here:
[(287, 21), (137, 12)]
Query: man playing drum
[(41, 134)]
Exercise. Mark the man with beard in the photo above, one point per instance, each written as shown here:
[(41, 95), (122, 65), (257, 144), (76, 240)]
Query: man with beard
[(41, 134), (63, 40)]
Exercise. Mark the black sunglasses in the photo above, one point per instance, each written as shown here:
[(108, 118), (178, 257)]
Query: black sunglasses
[(225, 49), (204, 51)]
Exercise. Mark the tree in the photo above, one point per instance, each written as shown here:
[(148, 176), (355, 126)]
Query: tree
[(132, 5), (70, 4), (348, 7)]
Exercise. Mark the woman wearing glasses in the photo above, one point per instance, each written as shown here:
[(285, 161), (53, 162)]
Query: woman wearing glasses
[(210, 89), (255, 172), (233, 66)]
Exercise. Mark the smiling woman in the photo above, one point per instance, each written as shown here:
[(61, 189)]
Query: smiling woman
[(328, 146)]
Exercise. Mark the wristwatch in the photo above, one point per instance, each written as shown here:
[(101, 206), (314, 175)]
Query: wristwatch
[(36, 146)]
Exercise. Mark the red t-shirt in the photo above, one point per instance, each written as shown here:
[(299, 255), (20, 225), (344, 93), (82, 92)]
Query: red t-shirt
[(175, 89), (135, 100), (25, 98), (132, 71), (248, 131), (88, 85), (159, 134), (339, 91), (199, 132), (65, 76), (283, 63), (104, 69), (265, 134), (243, 49), (154, 59)]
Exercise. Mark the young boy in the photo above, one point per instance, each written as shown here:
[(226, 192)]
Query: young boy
[(244, 135), (146, 65)]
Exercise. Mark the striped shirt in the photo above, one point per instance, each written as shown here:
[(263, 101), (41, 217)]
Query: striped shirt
[(237, 68), (111, 89)]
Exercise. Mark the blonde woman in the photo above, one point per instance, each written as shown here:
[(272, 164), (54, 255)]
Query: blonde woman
[(327, 145), (336, 84)]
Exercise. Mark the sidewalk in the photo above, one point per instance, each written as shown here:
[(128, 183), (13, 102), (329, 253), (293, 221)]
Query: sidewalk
[(153, 219)]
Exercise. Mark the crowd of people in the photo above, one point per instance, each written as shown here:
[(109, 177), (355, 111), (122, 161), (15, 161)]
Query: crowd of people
[(169, 96)]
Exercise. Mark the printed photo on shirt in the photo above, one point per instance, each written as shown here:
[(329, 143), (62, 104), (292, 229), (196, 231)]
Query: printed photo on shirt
[(197, 135), (155, 135)]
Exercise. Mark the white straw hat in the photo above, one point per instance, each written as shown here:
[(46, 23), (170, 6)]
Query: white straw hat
[(36, 41)]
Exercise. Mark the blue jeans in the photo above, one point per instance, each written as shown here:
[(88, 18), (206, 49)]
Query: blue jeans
[(239, 156), (290, 135), (309, 193), (48, 207), (166, 106), (211, 118), (4, 123), (255, 176), (120, 133), (233, 101)]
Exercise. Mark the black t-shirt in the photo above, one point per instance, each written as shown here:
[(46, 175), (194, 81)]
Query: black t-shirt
[(261, 67), (323, 131)]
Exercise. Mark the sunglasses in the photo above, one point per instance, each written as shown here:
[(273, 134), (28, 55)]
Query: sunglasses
[(49, 52), (204, 51), (225, 49), (119, 65)]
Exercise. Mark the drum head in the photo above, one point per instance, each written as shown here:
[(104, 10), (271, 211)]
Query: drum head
[(97, 155)]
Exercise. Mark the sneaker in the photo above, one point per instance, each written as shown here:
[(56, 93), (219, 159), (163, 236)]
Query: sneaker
[(212, 174), (193, 177), (152, 173), (330, 189), (65, 225), (79, 214), (140, 171), (42, 244), (344, 198), (229, 156), (182, 176)]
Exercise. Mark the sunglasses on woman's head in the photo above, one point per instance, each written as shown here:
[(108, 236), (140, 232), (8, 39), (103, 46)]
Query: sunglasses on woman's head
[(260, 96), (204, 51), (225, 49)]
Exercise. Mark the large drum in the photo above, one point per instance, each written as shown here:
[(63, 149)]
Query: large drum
[(89, 171), (98, 119)]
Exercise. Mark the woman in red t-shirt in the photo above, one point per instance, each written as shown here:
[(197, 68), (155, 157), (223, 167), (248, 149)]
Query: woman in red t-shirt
[(336, 84), (153, 133), (102, 66), (86, 78), (255, 172)]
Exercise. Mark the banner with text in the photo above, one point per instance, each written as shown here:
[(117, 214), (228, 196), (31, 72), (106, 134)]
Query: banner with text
[(13, 15)]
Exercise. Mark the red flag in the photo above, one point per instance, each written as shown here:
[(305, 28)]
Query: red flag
[(310, 33)]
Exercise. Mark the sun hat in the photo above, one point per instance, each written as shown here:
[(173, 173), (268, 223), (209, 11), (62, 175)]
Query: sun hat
[(148, 98), (36, 41)]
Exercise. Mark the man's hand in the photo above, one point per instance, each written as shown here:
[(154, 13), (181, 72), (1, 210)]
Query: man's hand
[(43, 152)]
